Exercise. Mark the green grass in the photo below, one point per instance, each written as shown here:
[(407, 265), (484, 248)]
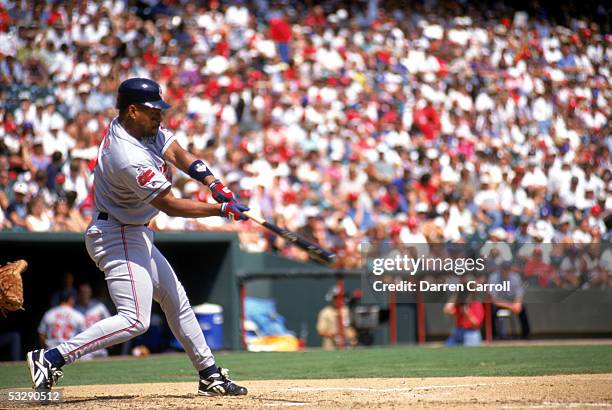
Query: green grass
[(375, 362)]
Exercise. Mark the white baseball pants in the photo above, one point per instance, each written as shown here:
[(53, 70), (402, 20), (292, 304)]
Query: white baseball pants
[(136, 273)]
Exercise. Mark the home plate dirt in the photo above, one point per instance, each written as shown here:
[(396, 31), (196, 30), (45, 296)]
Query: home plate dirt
[(543, 392)]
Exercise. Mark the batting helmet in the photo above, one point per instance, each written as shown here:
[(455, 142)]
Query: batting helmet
[(140, 91)]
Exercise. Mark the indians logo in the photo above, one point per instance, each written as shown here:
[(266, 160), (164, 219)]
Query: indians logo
[(145, 176)]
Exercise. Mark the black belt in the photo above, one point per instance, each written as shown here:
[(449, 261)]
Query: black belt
[(103, 216)]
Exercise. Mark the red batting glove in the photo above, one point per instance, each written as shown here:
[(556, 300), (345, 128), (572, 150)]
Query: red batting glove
[(220, 192), (232, 210)]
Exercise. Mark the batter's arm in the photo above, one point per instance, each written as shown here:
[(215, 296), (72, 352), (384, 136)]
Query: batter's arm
[(182, 159), (198, 170), (186, 208)]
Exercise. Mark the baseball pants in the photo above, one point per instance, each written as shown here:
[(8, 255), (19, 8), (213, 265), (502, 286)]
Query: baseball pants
[(136, 273)]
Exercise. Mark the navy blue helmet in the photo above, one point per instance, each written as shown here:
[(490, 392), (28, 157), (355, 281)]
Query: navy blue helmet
[(140, 91)]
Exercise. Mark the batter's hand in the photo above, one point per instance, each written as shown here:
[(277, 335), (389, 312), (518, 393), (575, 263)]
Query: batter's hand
[(220, 192), (232, 210)]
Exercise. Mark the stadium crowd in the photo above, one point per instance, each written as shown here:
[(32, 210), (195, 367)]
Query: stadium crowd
[(349, 122)]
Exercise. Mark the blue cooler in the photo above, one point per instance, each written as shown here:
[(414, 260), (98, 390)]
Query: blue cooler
[(210, 318)]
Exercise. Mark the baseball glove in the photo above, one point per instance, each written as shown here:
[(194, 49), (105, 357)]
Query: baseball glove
[(11, 286)]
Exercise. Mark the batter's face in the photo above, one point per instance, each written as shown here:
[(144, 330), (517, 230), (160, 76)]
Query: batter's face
[(146, 120)]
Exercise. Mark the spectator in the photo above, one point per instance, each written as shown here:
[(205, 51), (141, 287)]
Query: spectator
[(544, 273), (76, 180), (66, 217), (39, 159), (38, 219), (18, 208)]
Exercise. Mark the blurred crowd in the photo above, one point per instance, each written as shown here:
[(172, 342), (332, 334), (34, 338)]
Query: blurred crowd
[(348, 122)]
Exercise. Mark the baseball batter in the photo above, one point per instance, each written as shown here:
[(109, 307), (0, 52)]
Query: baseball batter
[(131, 185)]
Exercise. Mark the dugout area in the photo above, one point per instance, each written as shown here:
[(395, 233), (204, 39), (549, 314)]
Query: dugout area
[(203, 262), (210, 265)]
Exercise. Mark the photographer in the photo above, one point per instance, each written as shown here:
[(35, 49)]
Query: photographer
[(469, 315)]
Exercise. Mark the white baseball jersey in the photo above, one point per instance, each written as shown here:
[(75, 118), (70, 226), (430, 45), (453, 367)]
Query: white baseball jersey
[(61, 323), (130, 173)]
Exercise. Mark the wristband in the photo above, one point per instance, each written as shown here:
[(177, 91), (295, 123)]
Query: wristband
[(198, 170)]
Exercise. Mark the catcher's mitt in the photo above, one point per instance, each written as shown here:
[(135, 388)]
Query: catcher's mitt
[(11, 286)]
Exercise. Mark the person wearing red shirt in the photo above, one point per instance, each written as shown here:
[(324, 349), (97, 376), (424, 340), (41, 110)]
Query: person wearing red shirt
[(427, 190), (427, 121), (537, 268), (469, 314), (5, 19), (281, 34)]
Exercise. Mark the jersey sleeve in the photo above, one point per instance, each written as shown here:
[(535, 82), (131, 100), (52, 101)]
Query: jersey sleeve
[(144, 179), (166, 138)]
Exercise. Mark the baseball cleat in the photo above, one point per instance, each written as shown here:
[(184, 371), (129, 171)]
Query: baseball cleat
[(44, 375), (219, 384)]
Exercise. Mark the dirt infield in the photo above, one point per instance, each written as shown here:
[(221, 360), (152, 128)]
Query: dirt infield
[(544, 392)]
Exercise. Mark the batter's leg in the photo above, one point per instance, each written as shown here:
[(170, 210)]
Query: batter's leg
[(132, 297), (170, 294), (124, 255)]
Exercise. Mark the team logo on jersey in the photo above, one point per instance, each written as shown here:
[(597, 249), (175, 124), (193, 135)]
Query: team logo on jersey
[(145, 176), (201, 168)]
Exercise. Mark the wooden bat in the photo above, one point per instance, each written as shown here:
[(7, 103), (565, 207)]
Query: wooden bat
[(313, 249)]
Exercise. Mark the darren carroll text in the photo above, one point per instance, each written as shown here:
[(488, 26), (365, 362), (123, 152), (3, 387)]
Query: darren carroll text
[(424, 286)]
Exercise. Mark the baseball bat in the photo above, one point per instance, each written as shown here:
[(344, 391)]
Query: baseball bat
[(313, 249)]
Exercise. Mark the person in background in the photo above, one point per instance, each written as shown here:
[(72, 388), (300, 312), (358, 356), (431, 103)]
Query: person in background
[(508, 302), (68, 286), (468, 313), (93, 310), (38, 216), (66, 218), (327, 322), (60, 323), (17, 210)]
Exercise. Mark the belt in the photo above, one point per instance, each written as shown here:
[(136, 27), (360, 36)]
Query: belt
[(103, 216)]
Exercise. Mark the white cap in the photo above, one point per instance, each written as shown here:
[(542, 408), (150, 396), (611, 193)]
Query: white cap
[(84, 88), (311, 212), (442, 207), (499, 233), (421, 207)]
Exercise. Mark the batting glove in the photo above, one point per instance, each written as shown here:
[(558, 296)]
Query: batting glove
[(233, 211), (220, 192)]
